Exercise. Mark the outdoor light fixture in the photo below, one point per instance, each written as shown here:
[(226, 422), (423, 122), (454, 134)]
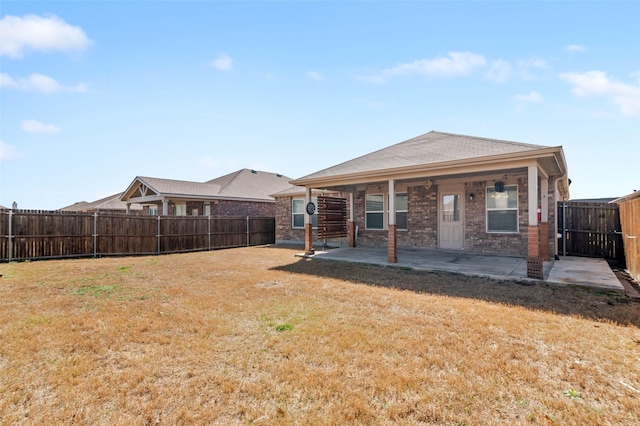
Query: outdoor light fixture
[(472, 197)]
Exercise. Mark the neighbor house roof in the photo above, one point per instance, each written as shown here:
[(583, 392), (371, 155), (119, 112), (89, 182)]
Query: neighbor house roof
[(243, 184), (433, 153), (112, 202)]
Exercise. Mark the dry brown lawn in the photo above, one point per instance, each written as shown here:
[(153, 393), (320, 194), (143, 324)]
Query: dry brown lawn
[(258, 336)]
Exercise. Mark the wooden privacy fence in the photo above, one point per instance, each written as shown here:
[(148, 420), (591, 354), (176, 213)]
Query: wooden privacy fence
[(332, 217), (590, 229), (47, 235), (630, 219)]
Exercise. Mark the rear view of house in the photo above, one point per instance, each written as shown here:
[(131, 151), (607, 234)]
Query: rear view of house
[(441, 190)]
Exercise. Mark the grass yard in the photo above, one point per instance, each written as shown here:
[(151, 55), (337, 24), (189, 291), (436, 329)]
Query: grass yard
[(258, 336)]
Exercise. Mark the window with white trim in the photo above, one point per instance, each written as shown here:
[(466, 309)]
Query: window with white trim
[(377, 208), (402, 201), (374, 211), (502, 210), (298, 208), (181, 209)]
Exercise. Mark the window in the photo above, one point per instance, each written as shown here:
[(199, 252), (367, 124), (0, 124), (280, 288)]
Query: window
[(451, 208), (401, 210), (502, 210), (181, 209), (298, 208), (153, 210), (376, 210), (207, 209)]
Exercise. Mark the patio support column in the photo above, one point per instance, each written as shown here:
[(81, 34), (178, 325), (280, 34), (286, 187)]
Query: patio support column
[(544, 223), (308, 226), (393, 237), (351, 228), (128, 211), (533, 240), (534, 261), (165, 207)]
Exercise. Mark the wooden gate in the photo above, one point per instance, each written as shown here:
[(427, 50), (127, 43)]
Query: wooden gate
[(590, 229)]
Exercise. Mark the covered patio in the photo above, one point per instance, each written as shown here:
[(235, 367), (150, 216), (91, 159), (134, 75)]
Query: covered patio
[(579, 271)]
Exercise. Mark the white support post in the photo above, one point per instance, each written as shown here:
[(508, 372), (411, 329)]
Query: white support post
[(165, 207), (544, 197), (392, 202), (351, 208), (533, 195), (392, 251)]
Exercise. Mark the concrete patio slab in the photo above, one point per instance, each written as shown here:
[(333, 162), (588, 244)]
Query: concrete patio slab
[(584, 272)]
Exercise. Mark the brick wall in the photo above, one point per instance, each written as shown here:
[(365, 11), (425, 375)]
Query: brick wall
[(243, 208), (284, 229), (477, 239)]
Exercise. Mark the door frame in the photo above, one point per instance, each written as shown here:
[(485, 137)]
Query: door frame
[(451, 190)]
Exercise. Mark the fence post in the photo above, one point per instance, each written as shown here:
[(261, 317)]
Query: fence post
[(95, 234), (564, 228), (209, 232), (10, 240), (158, 234), (247, 231)]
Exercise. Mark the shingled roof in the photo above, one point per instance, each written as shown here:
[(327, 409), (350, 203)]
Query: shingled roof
[(428, 149), (112, 202)]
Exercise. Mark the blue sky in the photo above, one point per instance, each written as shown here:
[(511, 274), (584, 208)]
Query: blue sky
[(93, 94)]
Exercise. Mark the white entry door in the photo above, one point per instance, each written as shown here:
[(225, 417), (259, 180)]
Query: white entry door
[(450, 220)]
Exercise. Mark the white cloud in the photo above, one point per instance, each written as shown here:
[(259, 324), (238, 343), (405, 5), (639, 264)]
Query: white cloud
[(33, 32), (223, 62), (531, 97), (500, 71), (596, 83), (9, 152), (38, 83), (453, 65), (533, 62), (575, 48), (314, 75), (33, 126)]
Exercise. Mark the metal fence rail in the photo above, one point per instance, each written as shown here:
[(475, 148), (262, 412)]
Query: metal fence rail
[(30, 235)]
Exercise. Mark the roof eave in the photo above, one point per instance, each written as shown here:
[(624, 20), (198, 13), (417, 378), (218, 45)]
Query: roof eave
[(485, 163)]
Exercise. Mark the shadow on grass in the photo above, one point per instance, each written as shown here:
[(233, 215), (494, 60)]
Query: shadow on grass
[(565, 300)]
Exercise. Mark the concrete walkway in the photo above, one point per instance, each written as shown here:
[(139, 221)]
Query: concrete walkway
[(585, 272)]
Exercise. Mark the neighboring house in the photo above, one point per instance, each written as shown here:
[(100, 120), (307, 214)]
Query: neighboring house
[(441, 190), (241, 193), (110, 204)]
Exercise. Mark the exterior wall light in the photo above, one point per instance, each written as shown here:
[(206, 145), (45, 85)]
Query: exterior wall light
[(472, 197)]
